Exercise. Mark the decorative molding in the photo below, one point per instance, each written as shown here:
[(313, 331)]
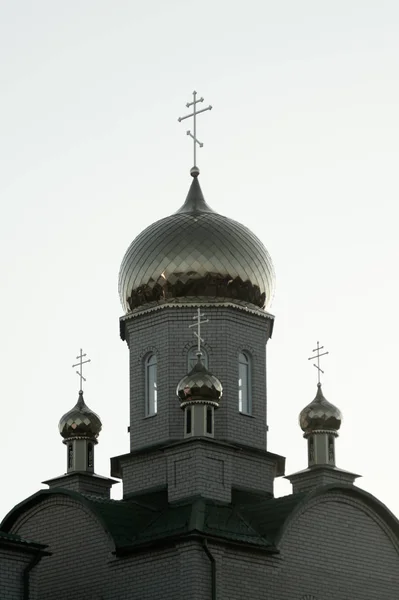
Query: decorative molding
[(246, 348), (191, 344), (147, 350), (250, 308)]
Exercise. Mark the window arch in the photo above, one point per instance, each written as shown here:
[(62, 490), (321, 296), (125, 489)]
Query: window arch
[(244, 383), (151, 391), (192, 357)]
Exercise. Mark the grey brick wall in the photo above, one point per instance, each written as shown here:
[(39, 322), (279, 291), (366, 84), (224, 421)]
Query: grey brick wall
[(353, 550), (335, 548), (12, 566), (166, 332), (83, 483), (83, 567), (80, 551), (318, 476), (174, 574), (144, 472), (199, 467)]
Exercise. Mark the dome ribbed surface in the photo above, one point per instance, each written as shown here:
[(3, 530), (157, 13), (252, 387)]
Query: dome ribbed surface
[(196, 252), (320, 414), (80, 421)]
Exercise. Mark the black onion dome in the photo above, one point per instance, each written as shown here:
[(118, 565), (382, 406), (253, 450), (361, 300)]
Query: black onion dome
[(320, 414), (80, 421), (199, 386), (196, 252)]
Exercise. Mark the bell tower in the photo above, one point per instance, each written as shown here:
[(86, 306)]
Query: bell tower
[(197, 262)]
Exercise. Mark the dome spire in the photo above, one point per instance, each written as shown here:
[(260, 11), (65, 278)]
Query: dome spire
[(194, 170), (195, 201)]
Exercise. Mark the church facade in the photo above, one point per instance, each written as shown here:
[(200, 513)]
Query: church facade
[(198, 518)]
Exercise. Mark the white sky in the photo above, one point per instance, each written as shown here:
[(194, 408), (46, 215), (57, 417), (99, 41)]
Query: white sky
[(301, 146)]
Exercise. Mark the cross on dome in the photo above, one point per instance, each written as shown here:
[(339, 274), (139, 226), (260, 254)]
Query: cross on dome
[(80, 365), (317, 358), (195, 170), (198, 317)]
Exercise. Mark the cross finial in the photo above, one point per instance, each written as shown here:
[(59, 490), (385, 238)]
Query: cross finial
[(80, 365), (317, 357), (198, 318), (195, 170)]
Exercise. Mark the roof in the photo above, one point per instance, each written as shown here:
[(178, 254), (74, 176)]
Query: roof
[(203, 516), (269, 515), (13, 539), (251, 519), (148, 519)]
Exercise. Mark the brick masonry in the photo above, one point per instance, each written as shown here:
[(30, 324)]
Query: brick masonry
[(199, 467), (335, 547), (12, 566), (166, 333)]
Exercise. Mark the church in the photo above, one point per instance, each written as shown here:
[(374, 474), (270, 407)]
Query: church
[(198, 518)]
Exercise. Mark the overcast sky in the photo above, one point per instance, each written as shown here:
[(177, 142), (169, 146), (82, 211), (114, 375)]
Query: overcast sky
[(301, 146)]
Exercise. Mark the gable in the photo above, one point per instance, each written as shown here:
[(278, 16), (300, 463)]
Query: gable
[(345, 532)]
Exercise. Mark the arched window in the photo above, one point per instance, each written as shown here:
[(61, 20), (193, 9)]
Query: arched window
[(193, 358), (151, 401), (244, 384)]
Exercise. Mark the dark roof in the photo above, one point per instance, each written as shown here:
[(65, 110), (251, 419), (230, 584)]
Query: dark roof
[(13, 539), (251, 519), (268, 515), (148, 518), (199, 515)]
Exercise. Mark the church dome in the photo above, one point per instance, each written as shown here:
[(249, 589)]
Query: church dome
[(320, 414), (196, 252), (199, 386), (80, 421)]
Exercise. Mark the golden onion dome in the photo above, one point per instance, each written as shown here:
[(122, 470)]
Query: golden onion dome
[(199, 387), (80, 421), (320, 415), (196, 252)]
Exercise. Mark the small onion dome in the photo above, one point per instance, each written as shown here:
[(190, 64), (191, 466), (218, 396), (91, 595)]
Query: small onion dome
[(199, 387), (80, 421), (320, 415)]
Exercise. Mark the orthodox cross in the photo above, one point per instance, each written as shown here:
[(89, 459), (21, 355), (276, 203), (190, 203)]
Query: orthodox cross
[(317, 357), (80, 365), (198, 318), (194, 115)]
